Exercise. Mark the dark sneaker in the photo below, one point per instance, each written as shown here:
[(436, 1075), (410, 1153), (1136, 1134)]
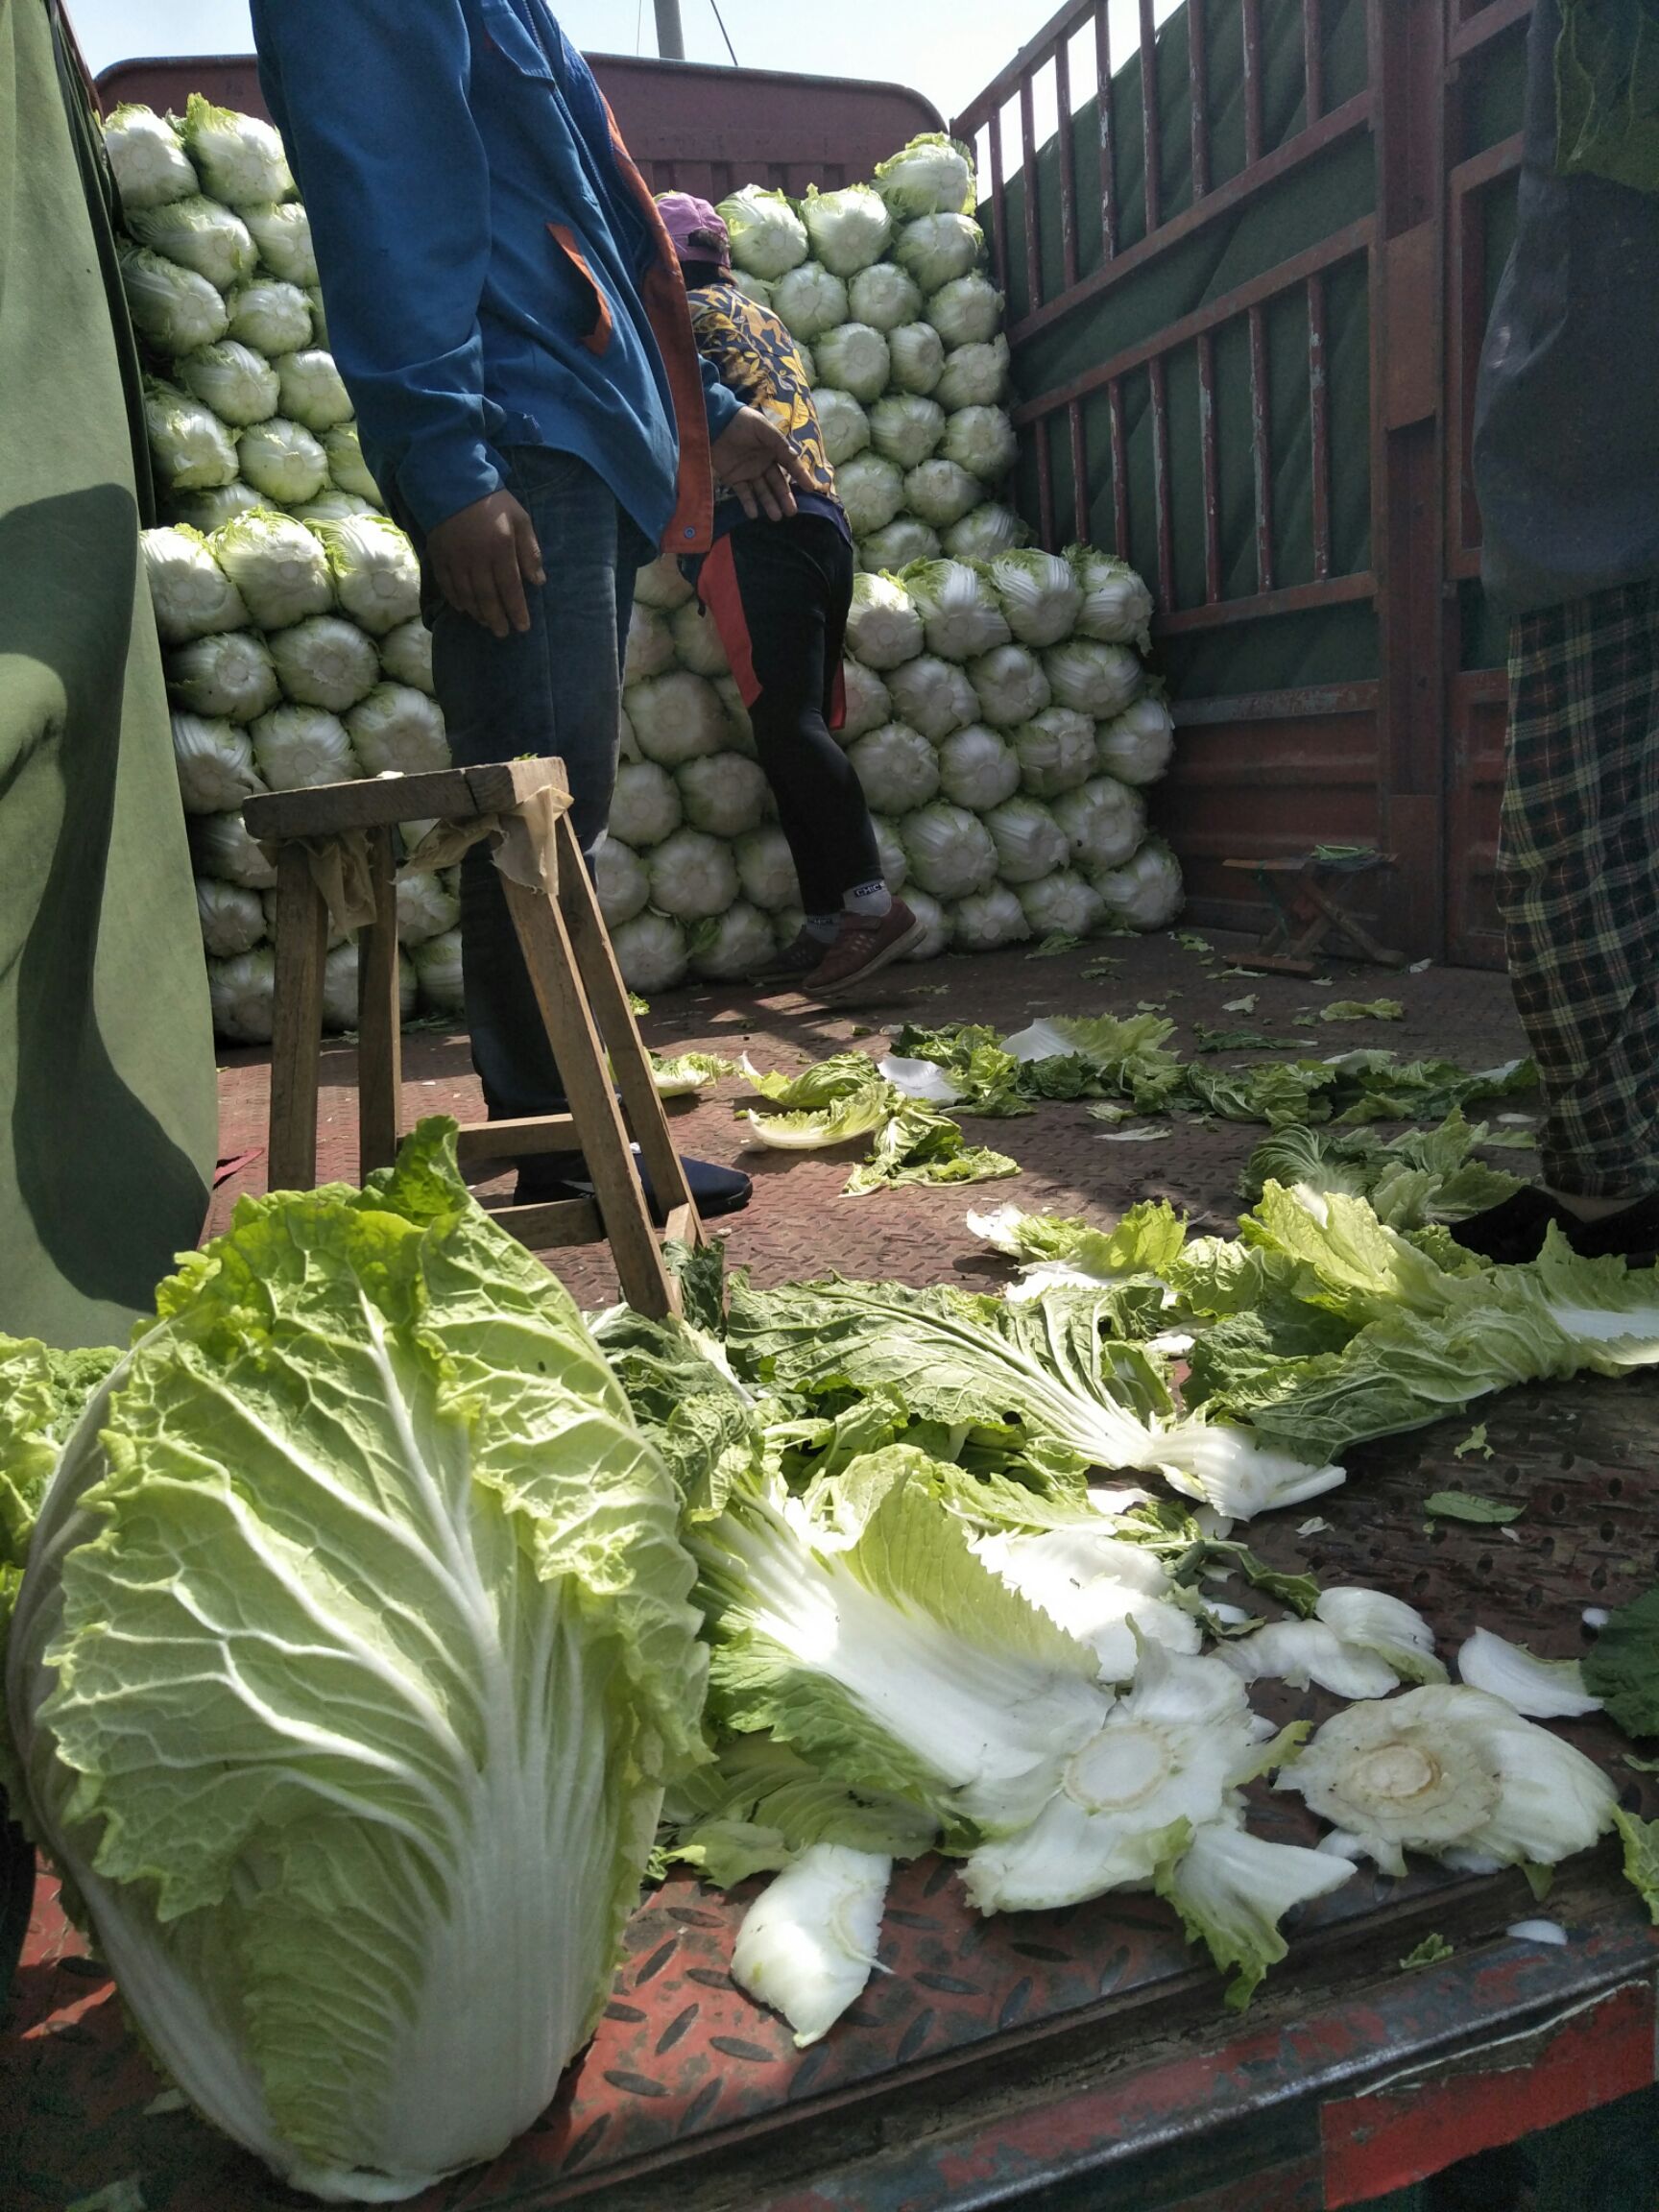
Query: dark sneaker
[(1631, 1235), (1512, 1234), (795, 962), (864, 945), (561, 1175)]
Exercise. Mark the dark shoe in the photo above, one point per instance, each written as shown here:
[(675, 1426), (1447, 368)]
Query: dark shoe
[(1511, 1234), (564, 1175), (795, 962), (1631, 1235), (865, 943)]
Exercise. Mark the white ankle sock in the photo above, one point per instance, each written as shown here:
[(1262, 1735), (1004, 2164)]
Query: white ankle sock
[(872, 900), (823, 926)]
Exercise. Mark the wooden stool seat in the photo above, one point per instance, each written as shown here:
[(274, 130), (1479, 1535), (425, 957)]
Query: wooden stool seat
[(578, 987), (1314, 914)]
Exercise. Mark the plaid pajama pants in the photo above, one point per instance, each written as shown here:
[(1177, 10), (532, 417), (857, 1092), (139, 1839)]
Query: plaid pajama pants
[(1578, 882)]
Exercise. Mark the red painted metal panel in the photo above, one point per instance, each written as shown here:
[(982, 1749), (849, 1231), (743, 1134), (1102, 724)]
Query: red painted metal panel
[(681, 119), (1269, 776), (1398, 2135)]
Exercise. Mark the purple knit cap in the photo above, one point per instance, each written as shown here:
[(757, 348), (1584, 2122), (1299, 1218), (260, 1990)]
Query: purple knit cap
[(698, 233)]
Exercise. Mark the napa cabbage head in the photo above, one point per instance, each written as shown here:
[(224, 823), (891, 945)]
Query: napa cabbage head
[(351, 1656), (933, 175)]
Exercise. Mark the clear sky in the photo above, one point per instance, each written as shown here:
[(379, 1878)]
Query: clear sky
[(947, 49)]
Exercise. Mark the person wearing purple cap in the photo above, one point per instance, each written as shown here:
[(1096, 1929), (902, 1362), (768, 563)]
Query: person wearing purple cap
[(778, 588), (506, 310)]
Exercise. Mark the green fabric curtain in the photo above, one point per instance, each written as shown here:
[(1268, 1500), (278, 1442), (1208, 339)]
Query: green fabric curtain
[(106, 1083)]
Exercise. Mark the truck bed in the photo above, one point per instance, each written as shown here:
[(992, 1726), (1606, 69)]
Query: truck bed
[(1064, 2058)]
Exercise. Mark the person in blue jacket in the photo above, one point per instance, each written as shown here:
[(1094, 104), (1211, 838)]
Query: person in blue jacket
[(506, 310)]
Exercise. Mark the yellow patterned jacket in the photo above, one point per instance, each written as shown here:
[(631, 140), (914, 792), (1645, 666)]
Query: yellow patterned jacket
[(755, 357)]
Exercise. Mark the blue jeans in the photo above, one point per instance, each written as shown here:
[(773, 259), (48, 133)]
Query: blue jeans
[(557, 689)]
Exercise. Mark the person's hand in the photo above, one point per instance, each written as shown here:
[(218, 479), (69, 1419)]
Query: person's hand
[(483, 557), (754, 460)]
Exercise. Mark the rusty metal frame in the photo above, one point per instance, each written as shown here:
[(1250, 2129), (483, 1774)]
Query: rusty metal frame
[(1424, 300), (1303, 273)]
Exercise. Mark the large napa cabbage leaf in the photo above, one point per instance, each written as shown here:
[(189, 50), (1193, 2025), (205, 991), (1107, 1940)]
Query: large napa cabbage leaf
[(1055, 1364), (352, 1657)]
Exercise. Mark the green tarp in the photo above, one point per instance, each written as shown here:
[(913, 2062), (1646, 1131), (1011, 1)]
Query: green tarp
[(106, 1087)]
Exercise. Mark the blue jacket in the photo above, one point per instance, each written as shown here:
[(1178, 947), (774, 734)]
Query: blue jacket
[(493, 265)]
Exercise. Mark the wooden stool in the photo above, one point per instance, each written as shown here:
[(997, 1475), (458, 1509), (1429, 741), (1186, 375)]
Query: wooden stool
[(577, 985), (1301, 929)]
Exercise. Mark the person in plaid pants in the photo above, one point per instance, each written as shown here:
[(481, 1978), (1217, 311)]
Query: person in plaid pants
[(1567, 470)]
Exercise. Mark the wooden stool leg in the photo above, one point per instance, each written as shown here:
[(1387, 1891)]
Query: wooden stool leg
[(630, 1069), (379, 1017), (296, 1023), (550, 957)]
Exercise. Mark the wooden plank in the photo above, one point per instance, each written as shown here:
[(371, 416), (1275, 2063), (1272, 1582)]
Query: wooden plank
[(552, 960), (549, 1228), (296, 1023), (683, 1226), (481, 1141), (379, 1017), (499, 786), (607, 994), (374, 802), (369, 802)]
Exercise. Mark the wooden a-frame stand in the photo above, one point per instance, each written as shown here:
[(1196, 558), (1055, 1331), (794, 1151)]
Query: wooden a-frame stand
[(578, 987)]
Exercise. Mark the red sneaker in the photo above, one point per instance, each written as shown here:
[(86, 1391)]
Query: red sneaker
[(865, 943)]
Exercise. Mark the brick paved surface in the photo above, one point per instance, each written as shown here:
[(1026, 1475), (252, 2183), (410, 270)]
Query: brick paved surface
[(798, 1225)]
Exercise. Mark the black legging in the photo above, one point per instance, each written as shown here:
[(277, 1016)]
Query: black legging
[(780, 593)]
